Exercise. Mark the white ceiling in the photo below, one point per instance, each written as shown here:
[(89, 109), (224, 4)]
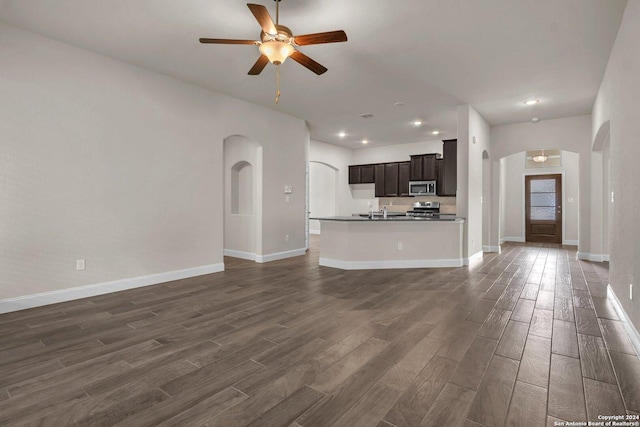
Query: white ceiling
[(432, 55)]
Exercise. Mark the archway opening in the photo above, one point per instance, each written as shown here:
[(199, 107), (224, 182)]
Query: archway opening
[(323, 182), (513, 172), (486, 202)]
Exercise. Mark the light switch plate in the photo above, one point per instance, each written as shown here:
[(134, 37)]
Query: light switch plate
[(288, 189)]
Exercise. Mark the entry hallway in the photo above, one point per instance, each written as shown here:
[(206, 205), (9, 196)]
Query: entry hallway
[(523, 338)]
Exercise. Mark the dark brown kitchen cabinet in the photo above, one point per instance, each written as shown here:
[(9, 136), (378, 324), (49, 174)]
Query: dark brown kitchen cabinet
[(448, 175), (354, 174), (391, 179), (366, 174), (440, 180), (404, 172), (378, 175), (361, 174), (423, 167)]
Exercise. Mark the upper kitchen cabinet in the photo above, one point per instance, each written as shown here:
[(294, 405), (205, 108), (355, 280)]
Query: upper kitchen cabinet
[(423, 167), (361, 174), (447, 184), (378, 175), (391, 179), (404, 173)]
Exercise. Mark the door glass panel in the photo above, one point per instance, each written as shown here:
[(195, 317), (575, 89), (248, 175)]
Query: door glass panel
[(543, 185), (542, 213), (543, 199)]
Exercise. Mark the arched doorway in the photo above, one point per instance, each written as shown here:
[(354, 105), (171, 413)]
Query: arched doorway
[(486, 202), (603, 196), (513, 174), (323, 182)]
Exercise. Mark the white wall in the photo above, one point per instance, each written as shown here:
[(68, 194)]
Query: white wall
[(395, 153), (568, 134), (473, 140), (121, 166), (512, 188), (616, 109), (240, 224)]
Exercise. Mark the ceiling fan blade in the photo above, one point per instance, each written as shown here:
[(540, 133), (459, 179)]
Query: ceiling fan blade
[(319, 38), (264, 19), (259, 65), (228, 41), (304, 60)]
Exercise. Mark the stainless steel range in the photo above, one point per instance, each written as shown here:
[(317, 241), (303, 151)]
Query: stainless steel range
[(424, 209)]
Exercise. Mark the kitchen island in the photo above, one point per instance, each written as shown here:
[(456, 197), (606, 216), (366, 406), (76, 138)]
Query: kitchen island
[(357, 243)]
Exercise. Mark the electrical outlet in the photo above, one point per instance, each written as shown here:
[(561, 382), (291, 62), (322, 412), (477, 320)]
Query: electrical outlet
[(286, 198), (399, 246), (286, 237), (80, 264)]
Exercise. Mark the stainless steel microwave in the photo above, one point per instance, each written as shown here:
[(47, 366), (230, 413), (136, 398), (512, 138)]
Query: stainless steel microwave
[(422, 188)]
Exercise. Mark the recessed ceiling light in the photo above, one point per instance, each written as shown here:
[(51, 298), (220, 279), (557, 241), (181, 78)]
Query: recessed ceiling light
[(398, 104), (366, 115), (535, 120), (435, 132), (342, 134), (531, 101), (417, 122), (364, 141)]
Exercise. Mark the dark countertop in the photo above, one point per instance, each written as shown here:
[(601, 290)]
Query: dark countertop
[(447, 218)]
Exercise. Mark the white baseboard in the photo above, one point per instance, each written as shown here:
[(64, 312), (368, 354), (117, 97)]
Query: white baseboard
[(486, 248), (280, 255), (314, 231), (240, 254), (378, 265), (632, 332), (476, 256), (512, 239), (62, 295), (570, 242), (592, 257)]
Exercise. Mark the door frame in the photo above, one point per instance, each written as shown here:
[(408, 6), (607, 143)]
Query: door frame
[(524, 202)]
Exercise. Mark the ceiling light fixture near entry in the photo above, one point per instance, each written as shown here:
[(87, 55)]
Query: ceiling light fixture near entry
[(417, 122), (540, 158), (531, 101), (435, 132), (342, 134), (364, 141)]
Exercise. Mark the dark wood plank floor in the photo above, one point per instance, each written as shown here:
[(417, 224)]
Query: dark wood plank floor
[(523, 338)]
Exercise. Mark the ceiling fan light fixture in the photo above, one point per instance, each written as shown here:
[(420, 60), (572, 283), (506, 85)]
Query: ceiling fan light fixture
[(276, 51)]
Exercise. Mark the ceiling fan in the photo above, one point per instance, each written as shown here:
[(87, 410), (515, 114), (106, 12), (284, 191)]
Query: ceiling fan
[(277, 43)]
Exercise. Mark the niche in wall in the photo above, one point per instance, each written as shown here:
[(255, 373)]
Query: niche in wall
[(242, 188)]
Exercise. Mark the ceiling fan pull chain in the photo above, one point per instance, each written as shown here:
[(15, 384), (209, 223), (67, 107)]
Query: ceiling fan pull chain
[(277, 83)]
